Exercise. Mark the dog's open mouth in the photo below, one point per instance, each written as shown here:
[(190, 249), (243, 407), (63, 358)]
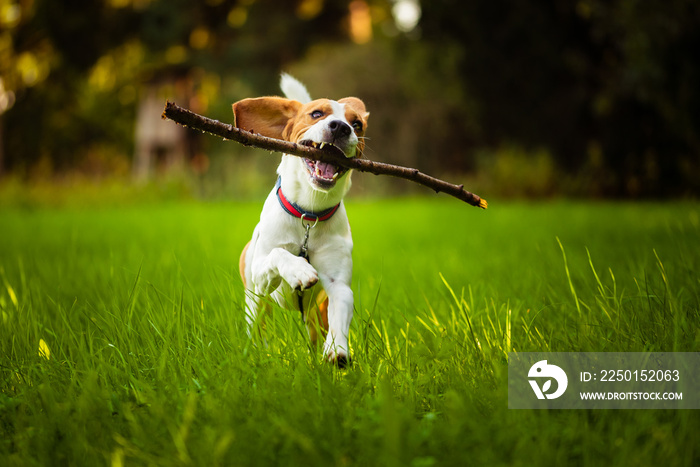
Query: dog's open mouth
[(324, 174)]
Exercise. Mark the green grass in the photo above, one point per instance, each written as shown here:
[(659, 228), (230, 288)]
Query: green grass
[(141, 310)]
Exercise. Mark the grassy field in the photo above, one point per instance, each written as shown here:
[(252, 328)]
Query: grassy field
[(122, 338)]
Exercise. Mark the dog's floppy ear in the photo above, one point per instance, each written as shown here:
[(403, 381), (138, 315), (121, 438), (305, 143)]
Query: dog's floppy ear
[(268, 116)]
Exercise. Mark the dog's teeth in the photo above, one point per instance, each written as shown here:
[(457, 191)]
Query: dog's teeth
[(335, 175), (321, 146)]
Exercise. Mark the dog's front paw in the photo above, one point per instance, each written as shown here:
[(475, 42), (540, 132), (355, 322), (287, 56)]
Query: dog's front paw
[(342, 362), (266, 283), (337, 356), (300, 274)]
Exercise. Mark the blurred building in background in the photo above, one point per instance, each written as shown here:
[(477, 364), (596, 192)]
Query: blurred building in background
[(160, 146)]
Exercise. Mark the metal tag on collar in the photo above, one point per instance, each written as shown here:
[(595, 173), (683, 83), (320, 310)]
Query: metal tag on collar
[(304, 253)]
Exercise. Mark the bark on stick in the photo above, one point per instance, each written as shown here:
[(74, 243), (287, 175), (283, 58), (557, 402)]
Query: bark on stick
[(326, 154)]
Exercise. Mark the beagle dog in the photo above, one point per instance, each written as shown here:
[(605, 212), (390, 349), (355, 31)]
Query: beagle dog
[(300, 255)]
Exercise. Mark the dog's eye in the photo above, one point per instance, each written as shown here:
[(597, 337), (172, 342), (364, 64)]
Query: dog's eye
[(357, 125), (316, 114)]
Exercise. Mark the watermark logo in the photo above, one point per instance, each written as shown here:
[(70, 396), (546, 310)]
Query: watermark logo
[(542, 369), (603, 380)]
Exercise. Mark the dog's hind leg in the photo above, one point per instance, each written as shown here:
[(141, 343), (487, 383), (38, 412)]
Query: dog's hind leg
[(252, 303), (255, 307)]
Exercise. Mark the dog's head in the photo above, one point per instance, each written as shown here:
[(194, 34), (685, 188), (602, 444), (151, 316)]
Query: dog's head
[(340, 123)]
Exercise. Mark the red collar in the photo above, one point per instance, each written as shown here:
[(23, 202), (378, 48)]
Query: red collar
[(297, 211)]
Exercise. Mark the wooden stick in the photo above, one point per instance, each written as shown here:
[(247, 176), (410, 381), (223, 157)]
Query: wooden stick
[(328, 153)]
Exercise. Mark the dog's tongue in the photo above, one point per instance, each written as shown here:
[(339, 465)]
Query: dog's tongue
[(325, 170)]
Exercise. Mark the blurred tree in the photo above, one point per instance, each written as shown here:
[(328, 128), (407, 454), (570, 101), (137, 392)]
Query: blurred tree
[(47, 49), (605, 84), (73, 70)]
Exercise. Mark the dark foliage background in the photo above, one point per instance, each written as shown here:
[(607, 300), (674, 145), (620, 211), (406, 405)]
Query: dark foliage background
[(594, 98)]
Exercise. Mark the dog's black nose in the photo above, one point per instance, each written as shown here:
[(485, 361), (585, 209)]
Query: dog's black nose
[(339, 129)]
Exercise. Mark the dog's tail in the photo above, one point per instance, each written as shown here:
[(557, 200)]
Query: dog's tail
[(293, 89)]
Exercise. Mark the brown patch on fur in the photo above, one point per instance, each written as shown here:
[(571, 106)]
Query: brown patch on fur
[(322, 301), (241, 263), (355, 112), (317, 317)]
